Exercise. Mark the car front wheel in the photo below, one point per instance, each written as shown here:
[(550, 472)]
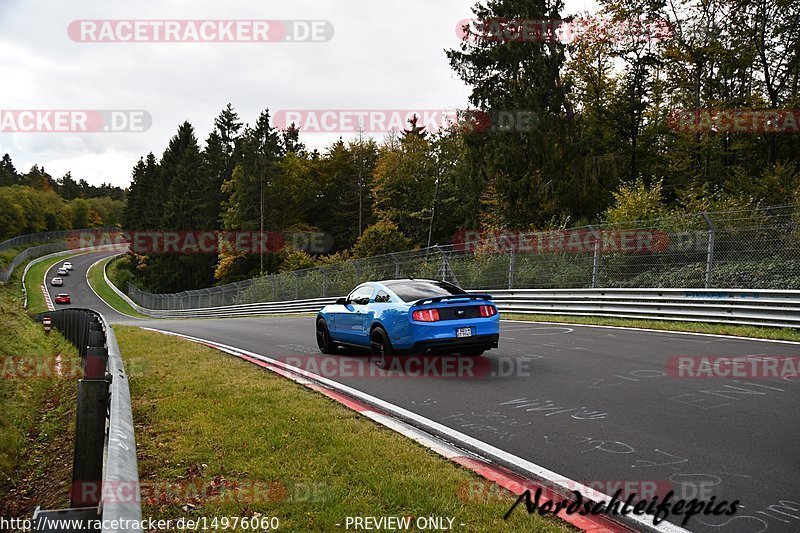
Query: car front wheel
[(324, 341)]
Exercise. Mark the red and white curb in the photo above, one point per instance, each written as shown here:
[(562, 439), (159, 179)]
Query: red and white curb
[(381, 412), (47, 300)]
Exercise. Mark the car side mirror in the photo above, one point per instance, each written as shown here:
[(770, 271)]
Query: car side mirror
[(341, 301)]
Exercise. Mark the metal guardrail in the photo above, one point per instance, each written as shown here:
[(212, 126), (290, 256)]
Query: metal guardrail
[(105, 464), (773, 308)]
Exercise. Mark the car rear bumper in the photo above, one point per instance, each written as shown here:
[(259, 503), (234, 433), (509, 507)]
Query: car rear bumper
[(484, 342)]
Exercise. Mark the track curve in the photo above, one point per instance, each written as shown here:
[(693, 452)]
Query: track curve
[(594, 404)]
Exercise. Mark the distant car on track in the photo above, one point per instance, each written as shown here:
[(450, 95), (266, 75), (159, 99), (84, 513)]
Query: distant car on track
[(63, 298), (56, 282), (67, 265), (414, 316), (62, 272)]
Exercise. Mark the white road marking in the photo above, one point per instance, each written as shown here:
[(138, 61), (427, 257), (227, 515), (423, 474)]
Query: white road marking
[(489, 451), (667, 332)]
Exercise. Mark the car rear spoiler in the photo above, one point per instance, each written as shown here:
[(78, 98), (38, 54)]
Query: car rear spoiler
[(435, 299)]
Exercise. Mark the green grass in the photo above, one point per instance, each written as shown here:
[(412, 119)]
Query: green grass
[(36, 413), (98, 283), (206, 418), (756, 332)]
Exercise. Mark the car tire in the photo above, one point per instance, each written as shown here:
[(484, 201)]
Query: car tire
[(324, 341), (381, 347), (473, 352)]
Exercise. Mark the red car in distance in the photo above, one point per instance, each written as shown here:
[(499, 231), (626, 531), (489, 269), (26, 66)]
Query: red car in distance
[(63, 299)]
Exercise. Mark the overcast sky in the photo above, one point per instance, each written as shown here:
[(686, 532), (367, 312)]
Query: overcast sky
[(385, 54)]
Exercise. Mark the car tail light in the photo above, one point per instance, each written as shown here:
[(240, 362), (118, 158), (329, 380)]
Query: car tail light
[(488, 310), (426, 315)]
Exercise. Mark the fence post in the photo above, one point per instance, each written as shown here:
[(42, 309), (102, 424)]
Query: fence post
[(511, 261), (296, 284), (710, 250), (324, 282), (596, 256), (396, 265)]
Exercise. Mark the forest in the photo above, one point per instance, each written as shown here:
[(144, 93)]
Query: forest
[(605, 147), (35, 202)]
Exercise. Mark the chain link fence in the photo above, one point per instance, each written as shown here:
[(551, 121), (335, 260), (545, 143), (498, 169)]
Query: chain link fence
[(47, 236), (753, 249), (30, 253)]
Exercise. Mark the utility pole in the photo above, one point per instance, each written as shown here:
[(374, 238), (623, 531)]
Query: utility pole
[(360, 164), (261, 212), (433, 210)]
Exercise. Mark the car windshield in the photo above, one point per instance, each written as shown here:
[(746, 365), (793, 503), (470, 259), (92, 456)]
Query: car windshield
[(413, 290)]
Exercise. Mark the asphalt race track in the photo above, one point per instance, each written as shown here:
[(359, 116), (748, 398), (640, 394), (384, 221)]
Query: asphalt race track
[(595, 405)]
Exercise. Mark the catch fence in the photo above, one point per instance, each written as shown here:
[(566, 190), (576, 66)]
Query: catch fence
[(747, 249)]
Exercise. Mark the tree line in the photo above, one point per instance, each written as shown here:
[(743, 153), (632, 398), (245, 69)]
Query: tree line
[(603, 147), (35, 202)]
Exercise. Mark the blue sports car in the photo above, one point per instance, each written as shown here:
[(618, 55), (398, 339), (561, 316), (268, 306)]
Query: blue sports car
[(409, 316)]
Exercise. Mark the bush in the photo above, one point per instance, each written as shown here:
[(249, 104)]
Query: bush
[(381, 238)]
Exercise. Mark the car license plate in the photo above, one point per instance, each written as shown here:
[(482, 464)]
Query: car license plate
[(464, 332)]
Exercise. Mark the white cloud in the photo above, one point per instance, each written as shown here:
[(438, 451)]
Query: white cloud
[(386, 54)]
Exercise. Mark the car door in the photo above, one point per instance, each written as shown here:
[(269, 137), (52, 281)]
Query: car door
[(350, 324)]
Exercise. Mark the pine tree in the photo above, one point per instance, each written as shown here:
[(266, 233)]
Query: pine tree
[(518, 75)]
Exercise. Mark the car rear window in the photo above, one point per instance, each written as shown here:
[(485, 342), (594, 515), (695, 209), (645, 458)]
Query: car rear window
[(413, 290)]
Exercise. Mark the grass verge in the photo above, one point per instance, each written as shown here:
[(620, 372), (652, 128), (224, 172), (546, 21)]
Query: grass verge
[(756, 332), (211, 422), (36, 413), (98, 283)]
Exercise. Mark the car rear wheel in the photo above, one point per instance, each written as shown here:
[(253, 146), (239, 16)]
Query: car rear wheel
[(381, 347), (324, 341)]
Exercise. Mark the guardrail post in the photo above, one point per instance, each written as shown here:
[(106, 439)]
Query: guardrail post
[(90, 432), (96, 355), (596, 256), (710, 249)]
